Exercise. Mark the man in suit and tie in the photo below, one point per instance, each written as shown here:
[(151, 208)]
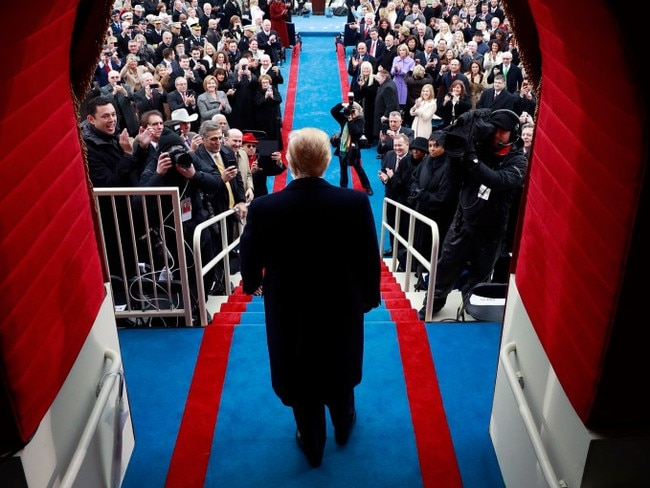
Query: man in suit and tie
[(429, 58), (497, 97), (387, 136), (376, 47), (395, 174), (354, 65), (363, 27), (514, 76), (150, 97), (315, 348)]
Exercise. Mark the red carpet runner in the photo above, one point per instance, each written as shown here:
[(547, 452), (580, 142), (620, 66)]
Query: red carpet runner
[(438, 466)]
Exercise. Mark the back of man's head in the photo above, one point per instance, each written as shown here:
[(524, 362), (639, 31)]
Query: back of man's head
[(308, 152)]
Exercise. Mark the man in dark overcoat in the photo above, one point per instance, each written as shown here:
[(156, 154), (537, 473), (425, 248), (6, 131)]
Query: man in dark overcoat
[(316, 289)]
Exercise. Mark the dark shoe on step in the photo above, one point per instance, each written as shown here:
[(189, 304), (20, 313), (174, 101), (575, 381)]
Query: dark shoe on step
[(342, 435), (314, 460), (369, 191), (379, 156), (388, 253)]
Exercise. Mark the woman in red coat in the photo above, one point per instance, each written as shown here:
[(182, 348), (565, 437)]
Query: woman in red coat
[(278, 14)]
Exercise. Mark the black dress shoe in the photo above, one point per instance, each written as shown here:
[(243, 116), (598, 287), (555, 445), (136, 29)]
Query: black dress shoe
[(369, 191), (314, 460), (342, 435), (388, 253)]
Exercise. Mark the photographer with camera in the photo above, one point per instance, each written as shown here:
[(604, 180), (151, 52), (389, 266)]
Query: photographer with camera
[(349, 115), (175, 166), (487, 164)]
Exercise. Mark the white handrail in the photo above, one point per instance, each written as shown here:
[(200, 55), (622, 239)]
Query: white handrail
[(105, 387), (516, 385), (431, 264), (224, 255)]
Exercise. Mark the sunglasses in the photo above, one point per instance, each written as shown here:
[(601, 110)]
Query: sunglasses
[(250, 145)]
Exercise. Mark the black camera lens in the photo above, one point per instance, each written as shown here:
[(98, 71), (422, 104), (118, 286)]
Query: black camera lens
[(180, 156)]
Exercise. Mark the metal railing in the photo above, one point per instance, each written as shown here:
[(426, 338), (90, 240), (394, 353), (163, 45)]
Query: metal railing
[(224, 255), (150, 290), (396, 240), (104, 389), (516, 382)]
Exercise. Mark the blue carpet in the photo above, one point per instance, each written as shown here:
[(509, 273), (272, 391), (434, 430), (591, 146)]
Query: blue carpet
[(465, 355), (158, 366), (319, 89), (254, 428)]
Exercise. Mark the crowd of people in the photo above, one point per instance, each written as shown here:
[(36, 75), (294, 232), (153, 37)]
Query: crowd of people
[(214, 58), (420, 72), (182, 96)]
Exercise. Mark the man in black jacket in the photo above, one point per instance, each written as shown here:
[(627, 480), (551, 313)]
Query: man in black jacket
[(315, 347), (489, 171), (113, 162)]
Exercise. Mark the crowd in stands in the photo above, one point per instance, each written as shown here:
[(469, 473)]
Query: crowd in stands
[(211, 71), (416, 68), (441, 44), (219, 57)]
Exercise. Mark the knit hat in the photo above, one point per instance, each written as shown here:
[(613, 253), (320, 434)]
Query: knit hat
[(420, 143), (505, 119), (168, 139)]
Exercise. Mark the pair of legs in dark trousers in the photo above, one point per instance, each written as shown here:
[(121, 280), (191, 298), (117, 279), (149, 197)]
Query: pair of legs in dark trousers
[(344, 162), (478, 247), (309, 413)]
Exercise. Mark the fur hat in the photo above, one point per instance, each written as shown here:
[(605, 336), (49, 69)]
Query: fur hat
[(420, 143), (168, 139)]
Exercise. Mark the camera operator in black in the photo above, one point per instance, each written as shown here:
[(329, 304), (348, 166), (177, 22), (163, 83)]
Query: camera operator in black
[(175, 166), (488, 171), (350, 117)]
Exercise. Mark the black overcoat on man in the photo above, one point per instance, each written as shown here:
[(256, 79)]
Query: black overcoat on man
[(314, 318)]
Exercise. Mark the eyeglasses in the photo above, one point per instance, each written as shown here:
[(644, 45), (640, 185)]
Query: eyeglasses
[(250, 145)]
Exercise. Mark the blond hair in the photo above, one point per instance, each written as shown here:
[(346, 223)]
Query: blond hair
[(308, 152)]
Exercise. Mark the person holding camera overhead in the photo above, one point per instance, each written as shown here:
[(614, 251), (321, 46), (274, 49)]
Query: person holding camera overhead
[(267, 110), (244, 82), (349, 115), (487, 164), (151, 96), (120, 94)]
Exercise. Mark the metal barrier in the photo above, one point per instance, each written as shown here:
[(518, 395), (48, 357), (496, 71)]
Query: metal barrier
[(516, 382), (158, 287), (430, 263), (224, 255), (104, 389)]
